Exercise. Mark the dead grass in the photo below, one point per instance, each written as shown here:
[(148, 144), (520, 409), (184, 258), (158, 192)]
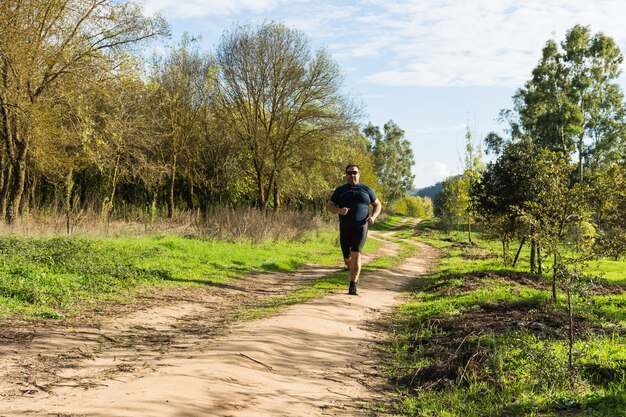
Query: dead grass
[(258, 226), (221, 223)]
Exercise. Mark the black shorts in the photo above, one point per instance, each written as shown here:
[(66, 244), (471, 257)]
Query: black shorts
[(352, 239)]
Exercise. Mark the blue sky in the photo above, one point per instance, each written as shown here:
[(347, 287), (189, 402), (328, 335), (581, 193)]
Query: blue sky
[(433, 67)]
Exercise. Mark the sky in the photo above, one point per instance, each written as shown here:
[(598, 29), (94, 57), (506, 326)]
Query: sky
[(434, 67)]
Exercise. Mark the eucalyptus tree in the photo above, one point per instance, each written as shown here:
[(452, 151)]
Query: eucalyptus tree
[(393, 159), (280, 101), (473, 168), (44, 43), (573, 103)]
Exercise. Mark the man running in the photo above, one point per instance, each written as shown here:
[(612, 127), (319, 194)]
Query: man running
[(351, 202)]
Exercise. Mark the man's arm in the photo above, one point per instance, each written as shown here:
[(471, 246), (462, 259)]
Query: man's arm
[(375, 213), (334, 208)]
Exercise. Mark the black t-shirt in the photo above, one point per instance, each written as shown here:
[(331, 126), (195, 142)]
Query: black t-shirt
[(358, 199)]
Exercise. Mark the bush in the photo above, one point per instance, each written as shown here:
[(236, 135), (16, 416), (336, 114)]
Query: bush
[(413, 206)]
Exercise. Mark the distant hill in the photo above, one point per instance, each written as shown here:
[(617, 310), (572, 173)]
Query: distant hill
[(431, 191), (434, 190)]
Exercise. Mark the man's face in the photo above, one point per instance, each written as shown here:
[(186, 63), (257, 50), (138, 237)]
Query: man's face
[(353, 175)]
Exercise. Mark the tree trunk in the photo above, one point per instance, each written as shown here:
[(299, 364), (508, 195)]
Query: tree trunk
[(3, 165), (570, 314), (69, 185), (190, 204), (505, 251), (19, 179), (539, 263), (521, 245), (555, 266), (276, 198), (170, 207), (533, 256), (153, 207), (580, 158), (4, 193)]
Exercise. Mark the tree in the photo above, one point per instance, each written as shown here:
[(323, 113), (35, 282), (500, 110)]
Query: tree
[(473, 169), (456, 203), (280, 102), (393, 159), (451, 202), (573, 102), (509, 185), (572, 108), (608, 201), (414, 206), (45, 43), (184, 83), (118, 132)]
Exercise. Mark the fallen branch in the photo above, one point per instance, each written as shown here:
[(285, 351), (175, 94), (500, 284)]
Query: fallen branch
[(259, 362)]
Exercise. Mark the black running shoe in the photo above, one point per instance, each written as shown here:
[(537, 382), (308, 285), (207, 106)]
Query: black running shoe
[(353, 290)]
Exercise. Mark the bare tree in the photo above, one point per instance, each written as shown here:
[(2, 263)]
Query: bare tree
[(279, 101)]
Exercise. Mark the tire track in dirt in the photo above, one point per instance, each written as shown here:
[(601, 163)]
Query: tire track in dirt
[(36, 357), (312, 359)]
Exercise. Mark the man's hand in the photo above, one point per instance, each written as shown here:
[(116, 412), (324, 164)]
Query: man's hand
[(342, 211), (371, 221)]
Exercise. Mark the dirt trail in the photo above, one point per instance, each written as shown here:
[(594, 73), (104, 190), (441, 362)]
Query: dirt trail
[(314, 359)]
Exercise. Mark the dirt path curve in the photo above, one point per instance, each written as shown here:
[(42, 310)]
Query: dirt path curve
[(313, 359)]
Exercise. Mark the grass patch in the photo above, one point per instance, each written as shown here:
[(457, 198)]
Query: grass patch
[(52, 277), (477, 339)]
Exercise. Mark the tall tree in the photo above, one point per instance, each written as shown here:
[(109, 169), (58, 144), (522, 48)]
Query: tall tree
[(573, 103), (184, 82), (472, 171), (44, 43), (393, 159), (280, 101)]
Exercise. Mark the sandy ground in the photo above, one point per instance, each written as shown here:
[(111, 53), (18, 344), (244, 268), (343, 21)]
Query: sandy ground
[(177, 354)]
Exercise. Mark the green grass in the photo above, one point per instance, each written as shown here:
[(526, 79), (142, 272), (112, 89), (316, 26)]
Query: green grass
[(478, 339), (51, 277), (56, 277)]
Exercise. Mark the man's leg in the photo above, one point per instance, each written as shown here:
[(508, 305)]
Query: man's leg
[(355, 271), (355, 266), (358, 240)]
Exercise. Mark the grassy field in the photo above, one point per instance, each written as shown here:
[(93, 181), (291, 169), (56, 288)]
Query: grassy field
[(54, 277), (480, 340)]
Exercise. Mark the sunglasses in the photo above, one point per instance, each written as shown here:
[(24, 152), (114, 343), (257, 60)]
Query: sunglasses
[(352, 172)]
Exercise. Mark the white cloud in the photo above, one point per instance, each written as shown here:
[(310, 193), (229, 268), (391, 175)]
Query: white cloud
[(430, 43), (431, 173), (451, 43), (477, 42), (194, 9)]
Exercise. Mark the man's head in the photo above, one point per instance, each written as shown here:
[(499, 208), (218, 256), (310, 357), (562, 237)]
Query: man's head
[(353, 173)]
